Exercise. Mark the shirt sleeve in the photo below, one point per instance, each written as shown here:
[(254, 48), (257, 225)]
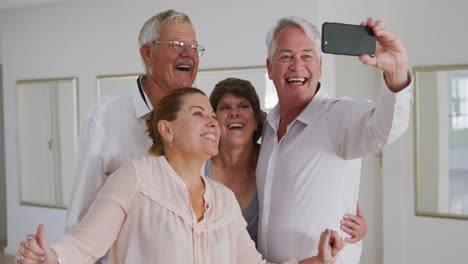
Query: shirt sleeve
[(358, 128), (97, 231), (89, 176)]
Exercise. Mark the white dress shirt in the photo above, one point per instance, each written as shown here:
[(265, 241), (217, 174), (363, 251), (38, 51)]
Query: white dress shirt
[(114, 133), (309, 179)]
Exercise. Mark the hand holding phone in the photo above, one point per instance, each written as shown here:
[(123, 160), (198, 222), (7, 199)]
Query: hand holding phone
[(346, 39)]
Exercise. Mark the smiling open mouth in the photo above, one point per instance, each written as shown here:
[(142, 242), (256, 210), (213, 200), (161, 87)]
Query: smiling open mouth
[(235, 125), (209, 136), (296, 80), (185, 68)]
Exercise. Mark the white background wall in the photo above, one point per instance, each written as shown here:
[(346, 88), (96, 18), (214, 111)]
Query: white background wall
[(434, 34), (433, 31), (85, 38), (3, 205)]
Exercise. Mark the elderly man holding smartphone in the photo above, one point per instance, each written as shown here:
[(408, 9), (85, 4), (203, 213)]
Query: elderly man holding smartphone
[(310, 160)]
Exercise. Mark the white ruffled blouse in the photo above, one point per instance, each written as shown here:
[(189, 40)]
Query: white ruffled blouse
[(143, 214)]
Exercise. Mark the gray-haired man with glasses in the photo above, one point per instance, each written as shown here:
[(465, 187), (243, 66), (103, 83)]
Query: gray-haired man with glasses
[(180, 46), (115, 129)]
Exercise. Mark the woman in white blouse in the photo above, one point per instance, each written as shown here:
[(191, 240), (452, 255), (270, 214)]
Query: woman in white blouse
[(159, 209)]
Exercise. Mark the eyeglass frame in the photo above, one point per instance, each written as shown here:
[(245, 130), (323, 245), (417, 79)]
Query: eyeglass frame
[(180, 44)]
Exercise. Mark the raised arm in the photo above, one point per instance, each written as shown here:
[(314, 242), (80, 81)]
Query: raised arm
[(100, 227), (35, 249), (96, 232), (391, 56)]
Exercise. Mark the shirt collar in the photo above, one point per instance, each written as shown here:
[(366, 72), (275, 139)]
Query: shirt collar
[(141, 103), (306, 116), (309, 114)]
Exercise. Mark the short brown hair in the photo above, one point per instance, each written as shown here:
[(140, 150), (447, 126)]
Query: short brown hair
[(166, 109), (239, 88)]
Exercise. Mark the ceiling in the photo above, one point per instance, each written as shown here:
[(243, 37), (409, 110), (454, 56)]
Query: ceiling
[(10, 4)]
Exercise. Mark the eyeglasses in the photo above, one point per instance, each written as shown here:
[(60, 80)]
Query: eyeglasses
[(180, 46)]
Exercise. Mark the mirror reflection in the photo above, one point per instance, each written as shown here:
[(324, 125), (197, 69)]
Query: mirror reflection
[(119, 85), (47, 137), (257, 75), (441, 141), (115, 85)]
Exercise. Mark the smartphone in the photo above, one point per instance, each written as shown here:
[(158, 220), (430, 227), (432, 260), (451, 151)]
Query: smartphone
[(346, 39)]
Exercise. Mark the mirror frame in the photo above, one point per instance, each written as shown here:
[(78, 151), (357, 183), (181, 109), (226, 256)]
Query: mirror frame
[(254, 74), (74, 81), (257, 75), (102, 85), (416, 140)]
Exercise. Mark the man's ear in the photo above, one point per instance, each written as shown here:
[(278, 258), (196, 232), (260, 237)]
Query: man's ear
[(268, 63), (166, 131), (145, 52)]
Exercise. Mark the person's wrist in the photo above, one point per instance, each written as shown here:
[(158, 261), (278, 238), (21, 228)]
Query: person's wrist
[(398, 81), (311, 260)]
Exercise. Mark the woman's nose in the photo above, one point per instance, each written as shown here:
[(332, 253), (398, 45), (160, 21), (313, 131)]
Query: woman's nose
[(234, 112), (212, 122)]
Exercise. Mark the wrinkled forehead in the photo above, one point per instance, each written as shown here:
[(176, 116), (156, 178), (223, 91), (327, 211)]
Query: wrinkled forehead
[(293, 33), (294, 38), (177, 29)]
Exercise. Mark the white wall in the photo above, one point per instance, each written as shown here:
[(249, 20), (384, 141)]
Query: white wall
[(3, 207), (88, 38), (3, 204), (433, 33)]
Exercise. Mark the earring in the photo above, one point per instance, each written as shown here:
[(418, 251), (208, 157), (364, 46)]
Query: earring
[(170, 144)]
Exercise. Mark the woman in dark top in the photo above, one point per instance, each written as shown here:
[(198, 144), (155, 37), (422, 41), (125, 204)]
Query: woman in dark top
[(238, 112)]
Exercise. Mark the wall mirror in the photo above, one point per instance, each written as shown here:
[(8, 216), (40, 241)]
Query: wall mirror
[(441, 141), (257, 75), (47, 138), (121, 85), (116, 85)]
